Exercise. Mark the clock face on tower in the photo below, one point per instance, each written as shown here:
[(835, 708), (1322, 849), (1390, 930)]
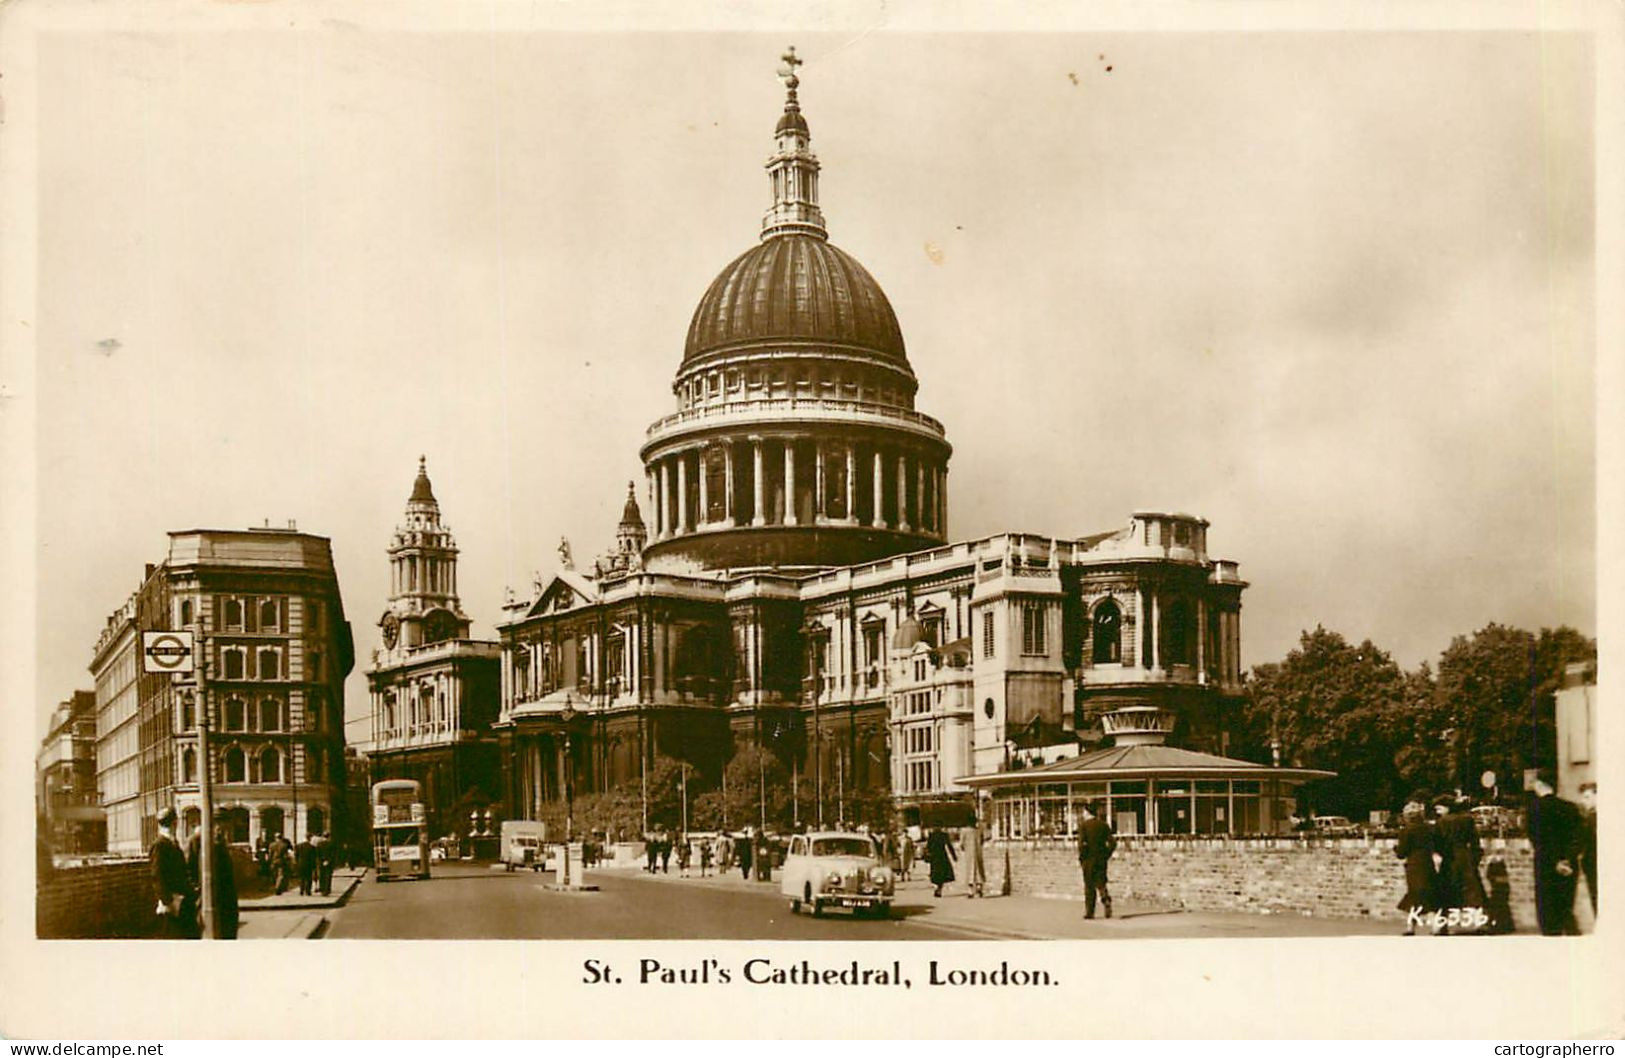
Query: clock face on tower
[(392, 630), (439, 626)]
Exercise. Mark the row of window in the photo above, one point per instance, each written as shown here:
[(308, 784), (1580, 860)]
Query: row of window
[(919, 776), (780, 383), (919, 739), (252, 613)]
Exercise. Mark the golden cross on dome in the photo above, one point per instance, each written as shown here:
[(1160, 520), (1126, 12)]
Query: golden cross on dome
[(788, 71)]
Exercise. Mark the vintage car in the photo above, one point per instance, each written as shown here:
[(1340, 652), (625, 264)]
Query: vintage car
[(836, 868)]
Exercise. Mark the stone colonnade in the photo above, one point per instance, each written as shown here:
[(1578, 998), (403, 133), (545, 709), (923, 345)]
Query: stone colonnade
[(704, 486)]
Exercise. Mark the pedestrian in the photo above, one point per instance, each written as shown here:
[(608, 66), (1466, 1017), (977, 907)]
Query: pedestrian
[(1460, 852), (324, 865), (665, 851), (223, 891), (1554, 829), (651, 850), (1415, 847), (725, 852), (304, 862), (905, 854), (262, 855), (744, 848), (1096, 843), (280, 863), (705, 858), (970, 838), (1588, 842), (176, 908), (683, 854), (940, 854)]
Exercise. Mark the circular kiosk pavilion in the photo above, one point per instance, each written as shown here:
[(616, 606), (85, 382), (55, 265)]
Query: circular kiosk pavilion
[(1144, 787)]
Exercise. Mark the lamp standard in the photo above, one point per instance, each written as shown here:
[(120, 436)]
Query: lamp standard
[(569, 771), (1004, 885)]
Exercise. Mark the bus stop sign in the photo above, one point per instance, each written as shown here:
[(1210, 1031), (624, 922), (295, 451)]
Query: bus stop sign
[(166, 652)]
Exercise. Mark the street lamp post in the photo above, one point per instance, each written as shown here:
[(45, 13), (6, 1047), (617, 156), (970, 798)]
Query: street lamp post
[(1004, 884)]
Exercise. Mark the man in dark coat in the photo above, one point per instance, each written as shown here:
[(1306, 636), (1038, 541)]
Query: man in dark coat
[(746, 848), (1588, 842), (1415, 846), (324, 865), (172, 884), (224, 889), (1555, 831), (1096, 843), (940, 854), (279, 853), (304, 862)]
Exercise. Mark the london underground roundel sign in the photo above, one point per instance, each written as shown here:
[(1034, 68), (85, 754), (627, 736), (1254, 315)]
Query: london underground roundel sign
[(166, 652)]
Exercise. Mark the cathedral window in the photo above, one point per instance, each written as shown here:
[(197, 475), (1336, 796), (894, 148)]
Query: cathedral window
[(1108, 634), (1033, 640), (931, 629), (987, 634)]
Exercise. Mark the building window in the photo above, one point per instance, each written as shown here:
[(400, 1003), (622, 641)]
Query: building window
[(236, 765), (389, 711), (234, 613), (186, 611), (268, 615), (270, 765), (233, 658), (874, 638), (316, 821), (1033, 640), (1108, 634), (270, 665), (236, 714), (987, 634), (270, 714), (1178, 642), (931, 628), (188, 713), (189, 765)]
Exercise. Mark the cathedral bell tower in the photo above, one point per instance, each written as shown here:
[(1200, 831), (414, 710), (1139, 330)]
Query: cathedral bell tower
[(423, 605)]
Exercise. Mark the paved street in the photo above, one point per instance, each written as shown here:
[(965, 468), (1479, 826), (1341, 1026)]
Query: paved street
[(475, 902)]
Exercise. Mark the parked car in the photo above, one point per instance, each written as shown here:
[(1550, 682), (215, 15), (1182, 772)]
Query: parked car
[(836, 868), (1498, 819), (1334, 826)]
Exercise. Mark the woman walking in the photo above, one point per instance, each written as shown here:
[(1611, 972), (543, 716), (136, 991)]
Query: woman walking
[(940, 854), (1456, 835)]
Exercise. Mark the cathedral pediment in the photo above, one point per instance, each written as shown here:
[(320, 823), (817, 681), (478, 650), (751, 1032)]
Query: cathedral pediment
[(564, 592)]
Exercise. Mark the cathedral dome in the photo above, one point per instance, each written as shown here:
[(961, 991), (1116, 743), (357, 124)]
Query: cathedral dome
[(794, 288)]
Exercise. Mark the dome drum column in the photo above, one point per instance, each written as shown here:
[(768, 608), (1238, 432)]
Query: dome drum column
[(879, 519), (789, 482), (759, 513)]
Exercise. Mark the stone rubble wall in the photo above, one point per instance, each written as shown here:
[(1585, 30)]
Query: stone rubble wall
[(1324, 877)]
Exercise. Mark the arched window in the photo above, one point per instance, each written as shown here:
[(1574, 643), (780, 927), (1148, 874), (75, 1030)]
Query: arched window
[(389, 712), (236, 714), (233, 660), (425, 706), (1108, 634), (270, 714), (234, 613), (188, 712), (268, 614), (270, 765), (236, 765), (270, 666), (1178, 634), (186, 611), (189, 765)]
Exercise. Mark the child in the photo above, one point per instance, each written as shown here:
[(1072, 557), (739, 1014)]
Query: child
[(1499, 901)]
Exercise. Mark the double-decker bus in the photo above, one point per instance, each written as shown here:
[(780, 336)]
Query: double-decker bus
[(400, 830)]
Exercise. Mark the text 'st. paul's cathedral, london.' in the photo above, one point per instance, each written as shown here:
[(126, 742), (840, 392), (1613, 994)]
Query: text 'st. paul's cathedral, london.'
[(789, 581)]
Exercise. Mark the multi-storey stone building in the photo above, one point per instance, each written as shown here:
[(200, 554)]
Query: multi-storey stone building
[(799, 590), (433, 689), (273, 648), (65, 771)]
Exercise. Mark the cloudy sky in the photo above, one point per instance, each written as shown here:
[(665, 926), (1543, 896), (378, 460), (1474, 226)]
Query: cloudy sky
[(1331, 291)]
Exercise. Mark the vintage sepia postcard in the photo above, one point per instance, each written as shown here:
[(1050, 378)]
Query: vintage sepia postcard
[(852, 520)]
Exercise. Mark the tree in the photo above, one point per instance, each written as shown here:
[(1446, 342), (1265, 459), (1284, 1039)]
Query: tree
[(1497, 694), (1336, 706), (754, 778)]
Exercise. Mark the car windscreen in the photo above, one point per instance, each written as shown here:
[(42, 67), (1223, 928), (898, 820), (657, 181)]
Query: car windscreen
[(843, 847)]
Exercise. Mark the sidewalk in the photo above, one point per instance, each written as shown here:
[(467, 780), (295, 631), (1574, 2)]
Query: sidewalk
[(343, 882), (1042, 918)]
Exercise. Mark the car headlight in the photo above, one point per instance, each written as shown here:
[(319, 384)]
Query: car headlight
[(834, 878)]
